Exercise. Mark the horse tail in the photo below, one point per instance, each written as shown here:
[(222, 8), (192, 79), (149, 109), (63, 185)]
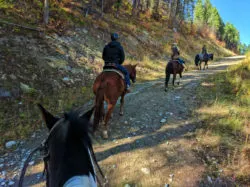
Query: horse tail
[(99, 105), (167, 79), (197, 59), (212, 56)]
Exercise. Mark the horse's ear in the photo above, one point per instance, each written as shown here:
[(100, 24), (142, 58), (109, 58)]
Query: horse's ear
[(88, 114), (49, 119), (135, 65)]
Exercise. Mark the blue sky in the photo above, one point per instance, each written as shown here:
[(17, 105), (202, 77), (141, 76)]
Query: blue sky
[(237, 13)]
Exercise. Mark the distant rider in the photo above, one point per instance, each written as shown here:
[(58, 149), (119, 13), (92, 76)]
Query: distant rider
[(204, 51), (176, 54)]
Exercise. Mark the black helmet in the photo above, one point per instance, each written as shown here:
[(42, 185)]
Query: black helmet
[(114, 36)]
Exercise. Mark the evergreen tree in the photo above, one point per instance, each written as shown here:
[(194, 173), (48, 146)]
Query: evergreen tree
[(231, 36), (199, 12), (208, 8), (214, 19)]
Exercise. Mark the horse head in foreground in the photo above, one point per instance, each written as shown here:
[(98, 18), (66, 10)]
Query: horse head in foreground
[(199, 58), (109, 86), (173, 67), (68, 153)]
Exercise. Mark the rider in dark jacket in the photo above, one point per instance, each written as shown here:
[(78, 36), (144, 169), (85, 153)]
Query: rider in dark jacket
[(113, 54), (204, 51)]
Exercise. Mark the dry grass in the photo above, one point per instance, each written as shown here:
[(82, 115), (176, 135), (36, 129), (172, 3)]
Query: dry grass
[(226, 117), (126, 168)]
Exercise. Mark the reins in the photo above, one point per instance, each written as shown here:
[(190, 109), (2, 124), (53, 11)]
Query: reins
[(43, 147), (26, 163)]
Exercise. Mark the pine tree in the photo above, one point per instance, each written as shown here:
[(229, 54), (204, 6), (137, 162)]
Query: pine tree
[(199, 12), (214, 20), (231, 36), (208, 8)]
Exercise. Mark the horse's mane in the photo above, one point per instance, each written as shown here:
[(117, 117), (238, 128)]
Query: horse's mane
[(79, 126)]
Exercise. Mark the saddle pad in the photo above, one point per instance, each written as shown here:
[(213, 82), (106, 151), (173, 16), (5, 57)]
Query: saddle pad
[(80, 181), (201, 56), (114, 70)]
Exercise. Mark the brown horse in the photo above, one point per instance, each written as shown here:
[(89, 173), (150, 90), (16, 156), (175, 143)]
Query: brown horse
[(173, 67), (109, 86)]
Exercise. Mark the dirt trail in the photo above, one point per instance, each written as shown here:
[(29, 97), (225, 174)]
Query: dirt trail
[(151, 145)]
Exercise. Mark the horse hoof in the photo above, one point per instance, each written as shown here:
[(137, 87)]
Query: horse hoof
[(178, 83), (121, 113), (166, 89), (112, 115), (105, 134)]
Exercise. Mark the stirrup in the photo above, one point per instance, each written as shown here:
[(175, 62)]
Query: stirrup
[(127, 89)]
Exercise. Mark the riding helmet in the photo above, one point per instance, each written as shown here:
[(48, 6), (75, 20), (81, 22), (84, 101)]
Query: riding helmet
[(114, 36)]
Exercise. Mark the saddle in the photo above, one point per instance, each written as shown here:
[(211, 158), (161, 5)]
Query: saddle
[(113, 68), (176, 61), (203, 56)]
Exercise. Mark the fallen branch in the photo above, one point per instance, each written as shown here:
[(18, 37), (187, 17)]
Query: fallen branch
[(22, 26)]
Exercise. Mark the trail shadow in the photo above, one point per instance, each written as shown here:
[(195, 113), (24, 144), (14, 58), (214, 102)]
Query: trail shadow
[(150, 140)]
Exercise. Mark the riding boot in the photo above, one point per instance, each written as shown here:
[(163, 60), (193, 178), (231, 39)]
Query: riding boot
[(128, 90)]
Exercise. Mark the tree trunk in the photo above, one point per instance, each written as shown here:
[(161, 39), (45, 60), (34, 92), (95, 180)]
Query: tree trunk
[(138, 7), (119, 4), (46, 12), (134, 7), (148, 4), (102, 7)]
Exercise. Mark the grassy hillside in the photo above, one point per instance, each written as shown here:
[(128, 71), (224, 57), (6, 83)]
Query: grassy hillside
[(57, 66), (224, 141)]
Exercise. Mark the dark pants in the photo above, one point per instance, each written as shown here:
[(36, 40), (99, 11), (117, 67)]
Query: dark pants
[(125, 72), (181, 61)]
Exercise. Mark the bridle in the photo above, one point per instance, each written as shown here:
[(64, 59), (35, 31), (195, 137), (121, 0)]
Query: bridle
[(43, 148)]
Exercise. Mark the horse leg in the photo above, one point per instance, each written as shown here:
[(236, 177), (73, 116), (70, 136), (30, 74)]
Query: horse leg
[(166, 81), (111, 107), (179, 79), (122, 104), (174, 77)]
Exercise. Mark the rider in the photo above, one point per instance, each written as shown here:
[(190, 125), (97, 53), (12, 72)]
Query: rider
[(176, 54), (204, 51), (113, 55)]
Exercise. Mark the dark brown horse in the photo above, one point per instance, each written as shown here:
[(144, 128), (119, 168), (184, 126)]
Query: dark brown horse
[(109, 86), (173, 67)]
